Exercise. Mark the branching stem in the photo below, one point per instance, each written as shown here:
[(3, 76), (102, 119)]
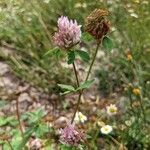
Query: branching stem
[(89, 71)]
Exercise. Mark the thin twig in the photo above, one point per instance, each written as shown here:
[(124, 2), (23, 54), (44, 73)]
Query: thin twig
[(5, 86), (114, 140), (18, 116)]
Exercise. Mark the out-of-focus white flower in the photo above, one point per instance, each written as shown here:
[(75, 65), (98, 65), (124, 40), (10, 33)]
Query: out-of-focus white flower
[(46, 1), (77, 5), (136, 1), (80, 117), (131, 10), (134, 15), (111, 109), (145, 2), (35, 144), (84, 5), (106, 129), (29, 19)]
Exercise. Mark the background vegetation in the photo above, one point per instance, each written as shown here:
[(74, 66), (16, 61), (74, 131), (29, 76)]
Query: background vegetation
[(27, 27)]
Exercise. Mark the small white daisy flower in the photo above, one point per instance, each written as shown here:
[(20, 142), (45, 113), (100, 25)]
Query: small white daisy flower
[(111, 109), (134, 15), (80, 117), (46, 1), (106, 129)]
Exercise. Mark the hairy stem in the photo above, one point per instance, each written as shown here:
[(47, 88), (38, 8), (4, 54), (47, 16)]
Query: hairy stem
[(89, 71), (91, 65), (80, 92), (77, 106), (18, 116), (76, 75)]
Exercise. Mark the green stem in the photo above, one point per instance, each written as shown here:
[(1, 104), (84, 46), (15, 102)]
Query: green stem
[(80, 92), (138, 76), (89, 71), (131, 103), (142, 109), (77, 106), (76, 74), (91, 65)]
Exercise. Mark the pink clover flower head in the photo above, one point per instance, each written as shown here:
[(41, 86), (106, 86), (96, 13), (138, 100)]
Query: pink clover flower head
[(69, 33), (71, 136)]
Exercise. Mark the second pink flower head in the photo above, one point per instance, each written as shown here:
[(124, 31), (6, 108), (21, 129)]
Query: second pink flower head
[(69, 33), (71, 136)]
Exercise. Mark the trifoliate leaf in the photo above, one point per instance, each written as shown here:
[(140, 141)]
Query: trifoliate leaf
[(107, 43), (53, 52), (83, 55), (85, 85), (71, 57), (66, 87)]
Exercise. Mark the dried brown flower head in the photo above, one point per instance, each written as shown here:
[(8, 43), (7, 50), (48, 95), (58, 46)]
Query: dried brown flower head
[(96, 23)]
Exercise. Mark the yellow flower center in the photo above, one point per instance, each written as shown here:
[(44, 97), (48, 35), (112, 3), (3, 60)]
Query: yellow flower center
[(106, 129), (112, 110)]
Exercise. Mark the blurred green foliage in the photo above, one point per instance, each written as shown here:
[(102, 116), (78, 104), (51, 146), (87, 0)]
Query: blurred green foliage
[(131, 21), (26, 27), (29, 26)]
